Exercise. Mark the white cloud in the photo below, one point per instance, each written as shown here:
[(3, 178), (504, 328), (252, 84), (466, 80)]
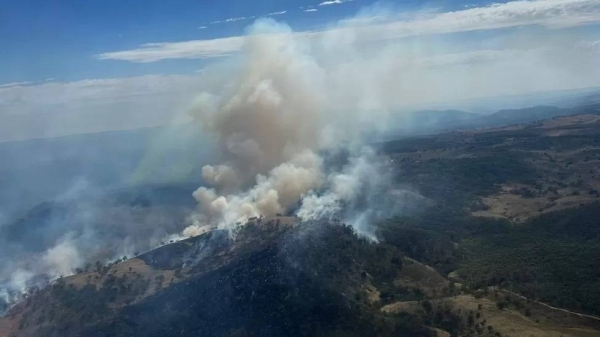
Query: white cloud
[(590, 45), (549, 13), (364, 20), (54, 109), (229, 20), (14, 84), (277, 13), (412, 79), (152, 52), (470, 57), (333, 2), (241, 18), (52, 93), (236, 19)]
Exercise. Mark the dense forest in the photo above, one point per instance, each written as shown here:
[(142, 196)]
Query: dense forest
[(551, 256)]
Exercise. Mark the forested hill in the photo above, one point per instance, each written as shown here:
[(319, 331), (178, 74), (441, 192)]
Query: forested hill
[(507, 229)]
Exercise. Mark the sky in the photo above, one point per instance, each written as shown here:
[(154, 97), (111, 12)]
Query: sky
[(69, 67)]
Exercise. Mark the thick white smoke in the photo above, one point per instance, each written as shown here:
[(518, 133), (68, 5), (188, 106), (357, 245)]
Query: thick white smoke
[(342, 187), (285, 107), (63, 258), (79, 230), (274, 193), (358, 194)]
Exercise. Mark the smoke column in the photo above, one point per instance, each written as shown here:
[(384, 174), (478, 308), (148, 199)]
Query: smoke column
[(283, 110)]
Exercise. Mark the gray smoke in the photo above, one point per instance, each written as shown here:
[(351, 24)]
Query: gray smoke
[(288, 105), (55, 239)]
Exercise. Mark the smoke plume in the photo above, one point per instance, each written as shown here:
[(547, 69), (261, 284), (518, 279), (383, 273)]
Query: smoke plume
[(275, 122), (55, 239)]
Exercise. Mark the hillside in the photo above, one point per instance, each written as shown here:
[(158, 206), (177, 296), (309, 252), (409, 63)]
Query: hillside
[(271, 280), (506, 244), (520, 203), (138, 216)]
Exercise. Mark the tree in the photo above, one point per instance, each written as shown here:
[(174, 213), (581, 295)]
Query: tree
[(470, 319), (427, 306)]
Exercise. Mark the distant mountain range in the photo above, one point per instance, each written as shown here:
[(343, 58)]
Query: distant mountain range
[(432, 121)]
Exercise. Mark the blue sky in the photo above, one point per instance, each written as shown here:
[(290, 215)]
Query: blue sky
[(84, 66), (60, 39)]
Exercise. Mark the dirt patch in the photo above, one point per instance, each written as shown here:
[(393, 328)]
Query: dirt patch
[(455, 276), (514, 323), (133, 270), (508, 322), (6, 326), (129, 267), (417, 275), (441, 333), (570, 120), (518, 203), (518, 209), (512, 207), (373, 295), (397, 307), (570, 202)]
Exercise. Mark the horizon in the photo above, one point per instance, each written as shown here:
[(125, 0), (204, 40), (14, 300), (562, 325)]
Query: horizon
[(112, 66)]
